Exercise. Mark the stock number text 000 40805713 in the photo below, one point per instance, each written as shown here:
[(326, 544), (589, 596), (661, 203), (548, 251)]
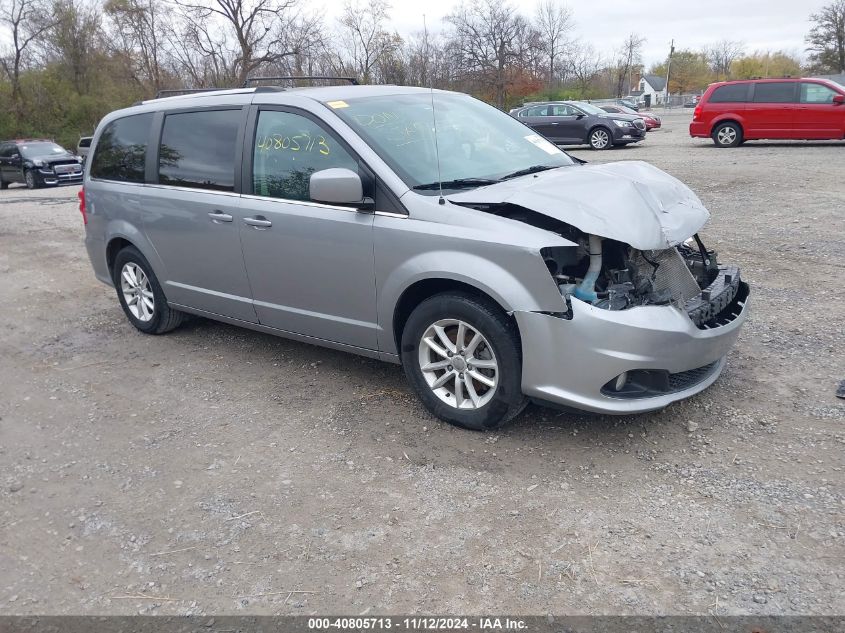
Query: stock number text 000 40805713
[(297, 143)]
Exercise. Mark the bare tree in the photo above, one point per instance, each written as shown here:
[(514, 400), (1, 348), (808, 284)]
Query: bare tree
[(554, 22), (628, 58), (26, 21), (139, 31), (73, 42), (827, 38), (234, 38), (485, 36), (722, 55), (584, 65), (363, 32)]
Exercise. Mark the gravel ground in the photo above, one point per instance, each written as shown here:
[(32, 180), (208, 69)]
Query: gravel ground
[(218, 470)]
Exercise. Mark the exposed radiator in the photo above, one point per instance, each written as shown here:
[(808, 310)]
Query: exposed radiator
[(672, 273)]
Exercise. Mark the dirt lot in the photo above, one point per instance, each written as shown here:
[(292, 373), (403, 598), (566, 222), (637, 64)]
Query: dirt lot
[(218, 470)]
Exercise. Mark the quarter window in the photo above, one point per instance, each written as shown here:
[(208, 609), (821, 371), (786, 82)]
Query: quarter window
[(731, 93), (816, 93), (288, 149), (774, 92), (121, 149), (198, 149)]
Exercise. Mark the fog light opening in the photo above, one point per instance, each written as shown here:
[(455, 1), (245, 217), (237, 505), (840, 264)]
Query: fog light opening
[(621, 379)]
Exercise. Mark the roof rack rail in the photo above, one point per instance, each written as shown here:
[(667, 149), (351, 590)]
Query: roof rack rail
[(351, 80), (183, 91)]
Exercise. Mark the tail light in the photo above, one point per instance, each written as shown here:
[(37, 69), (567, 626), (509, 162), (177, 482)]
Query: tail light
[(696, 114), (81, 195)]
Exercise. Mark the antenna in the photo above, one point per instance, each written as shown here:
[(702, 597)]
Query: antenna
[(442, 200)]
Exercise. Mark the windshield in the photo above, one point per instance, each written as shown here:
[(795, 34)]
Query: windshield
[(41, 148), (475, 141), (589, 108)]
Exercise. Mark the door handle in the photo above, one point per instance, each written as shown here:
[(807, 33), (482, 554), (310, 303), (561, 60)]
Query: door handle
[(258, 222), (218, 216)]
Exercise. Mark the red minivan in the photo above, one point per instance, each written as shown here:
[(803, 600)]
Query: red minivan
[(732, 112)]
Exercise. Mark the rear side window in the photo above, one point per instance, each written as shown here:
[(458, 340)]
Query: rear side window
[(122, 148), (816, 93), (535, 111), (198, 149), (288, 149), (774, 92), (732, 93)]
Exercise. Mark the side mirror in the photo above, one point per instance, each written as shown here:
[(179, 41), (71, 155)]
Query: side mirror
[(15, 157), (579, 116), (838, 99), (336, 185)]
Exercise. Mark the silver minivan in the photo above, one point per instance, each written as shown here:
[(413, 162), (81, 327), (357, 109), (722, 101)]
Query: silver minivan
[(419, 227)]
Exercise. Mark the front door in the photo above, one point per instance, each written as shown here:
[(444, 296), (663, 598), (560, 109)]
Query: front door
[(818, 117), (310, 265)]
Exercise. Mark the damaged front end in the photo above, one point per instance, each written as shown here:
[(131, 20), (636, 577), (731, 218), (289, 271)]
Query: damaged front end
[(612, 275), (650, 313)]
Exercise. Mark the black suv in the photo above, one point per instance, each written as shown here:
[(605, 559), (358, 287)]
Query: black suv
[(576, 123), (37, 162)]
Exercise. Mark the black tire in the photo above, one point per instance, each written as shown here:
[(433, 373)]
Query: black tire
[(727, 135), (507, 401), (3, 183), (30, 179), (164, 318), (600, 138)]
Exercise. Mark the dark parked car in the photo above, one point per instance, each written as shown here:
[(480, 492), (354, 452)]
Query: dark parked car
[(575, 123), (652, 121), (37, 162)]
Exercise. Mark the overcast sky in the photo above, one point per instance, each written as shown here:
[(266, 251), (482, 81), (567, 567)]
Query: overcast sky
[(761, 24)]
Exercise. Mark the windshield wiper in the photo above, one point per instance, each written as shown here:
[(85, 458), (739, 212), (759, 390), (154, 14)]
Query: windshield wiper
[(530, 170), (458, 183)]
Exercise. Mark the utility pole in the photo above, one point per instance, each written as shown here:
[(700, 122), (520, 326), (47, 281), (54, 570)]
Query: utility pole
[(668, 68)]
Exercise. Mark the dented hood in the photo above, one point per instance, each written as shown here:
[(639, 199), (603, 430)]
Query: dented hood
[(631, 202)]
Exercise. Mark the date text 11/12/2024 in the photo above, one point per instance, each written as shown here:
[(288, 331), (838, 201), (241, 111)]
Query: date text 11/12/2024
[(417, 623)]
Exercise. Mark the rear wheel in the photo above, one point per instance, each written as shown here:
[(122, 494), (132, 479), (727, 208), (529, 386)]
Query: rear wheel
[(140, 294), (600, 138), (462, 356), (727, 135), (3, 183)]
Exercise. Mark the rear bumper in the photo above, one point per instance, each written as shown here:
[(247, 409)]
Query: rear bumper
[(569, 361), (699, 129)]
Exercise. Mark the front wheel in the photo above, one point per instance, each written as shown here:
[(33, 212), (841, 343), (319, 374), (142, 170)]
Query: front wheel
[(29, 178), (140, 294), (727, 135), (600, 139), (462, 356)]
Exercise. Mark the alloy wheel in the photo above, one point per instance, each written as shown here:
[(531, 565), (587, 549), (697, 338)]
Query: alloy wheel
[(599, 139), (137, 291), (726, 135), (458, 364)]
